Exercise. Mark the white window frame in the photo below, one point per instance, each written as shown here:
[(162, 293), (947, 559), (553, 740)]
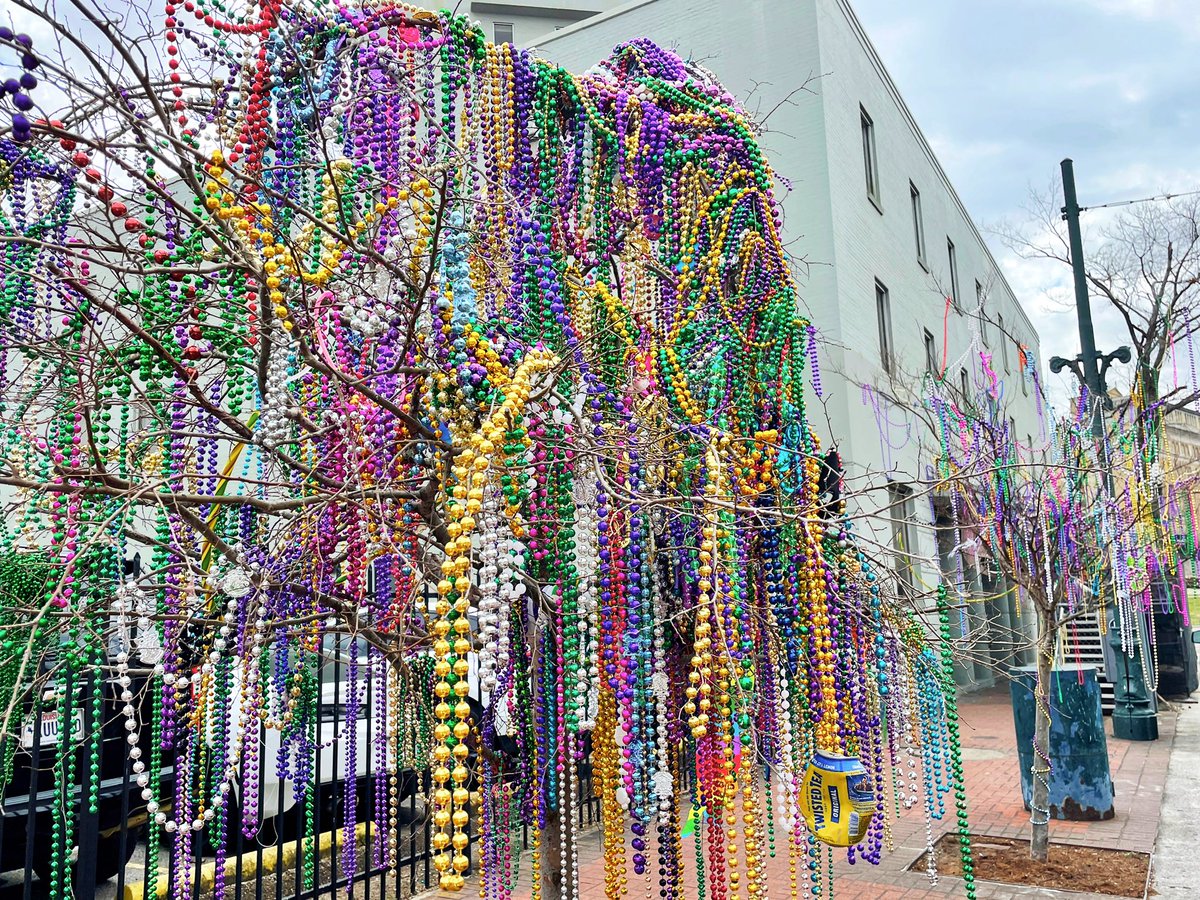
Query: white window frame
[(870, 157), (1003, 343), (883, 320), (918, 225), (901, 510), (979, 311), (952, 261)]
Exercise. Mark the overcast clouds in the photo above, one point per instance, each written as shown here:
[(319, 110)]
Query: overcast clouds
[(1004, 89)]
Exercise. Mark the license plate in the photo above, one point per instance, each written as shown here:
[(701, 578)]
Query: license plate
[(48, 732)]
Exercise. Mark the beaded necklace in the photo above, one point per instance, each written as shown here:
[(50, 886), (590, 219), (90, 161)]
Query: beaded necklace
[(443, 315)]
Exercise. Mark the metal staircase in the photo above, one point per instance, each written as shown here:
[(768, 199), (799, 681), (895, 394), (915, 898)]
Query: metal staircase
[(1083, 643)]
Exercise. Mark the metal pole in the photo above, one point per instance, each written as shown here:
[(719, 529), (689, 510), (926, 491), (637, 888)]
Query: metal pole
[(1083, 306), (1134, 710)]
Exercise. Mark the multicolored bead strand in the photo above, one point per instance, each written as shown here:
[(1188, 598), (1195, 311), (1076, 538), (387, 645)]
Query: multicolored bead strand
[(491, 371)]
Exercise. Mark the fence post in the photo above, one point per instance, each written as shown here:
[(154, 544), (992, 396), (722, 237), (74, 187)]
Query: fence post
[(88, 835)]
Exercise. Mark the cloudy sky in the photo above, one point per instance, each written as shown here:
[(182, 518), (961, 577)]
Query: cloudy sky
[(1004, 89)]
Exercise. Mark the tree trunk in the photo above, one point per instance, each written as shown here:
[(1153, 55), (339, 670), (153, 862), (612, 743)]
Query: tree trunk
[(553, 840), (1039, 817)]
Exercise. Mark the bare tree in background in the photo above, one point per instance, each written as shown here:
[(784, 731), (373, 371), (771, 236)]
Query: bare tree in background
[(1144, 264), (1040, 517)]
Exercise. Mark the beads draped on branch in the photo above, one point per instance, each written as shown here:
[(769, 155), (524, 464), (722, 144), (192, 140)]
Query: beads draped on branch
[(498, 367)]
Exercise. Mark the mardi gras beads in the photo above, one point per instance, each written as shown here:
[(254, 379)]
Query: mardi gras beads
[(955, 761), (531, 332), (18, 88)]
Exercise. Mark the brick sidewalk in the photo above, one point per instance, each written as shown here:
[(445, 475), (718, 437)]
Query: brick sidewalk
[(990, 761)]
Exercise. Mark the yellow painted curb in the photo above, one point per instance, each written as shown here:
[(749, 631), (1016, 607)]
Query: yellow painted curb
[(246, 866)]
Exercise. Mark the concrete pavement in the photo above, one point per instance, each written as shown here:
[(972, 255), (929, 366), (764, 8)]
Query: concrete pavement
[(1176, 860), (1139, 771)]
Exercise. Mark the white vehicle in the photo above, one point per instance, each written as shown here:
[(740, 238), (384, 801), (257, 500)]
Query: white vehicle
[(345, 748), (350, 680)]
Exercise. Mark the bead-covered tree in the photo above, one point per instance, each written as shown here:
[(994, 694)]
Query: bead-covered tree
[(1047, 516), (341, 303)]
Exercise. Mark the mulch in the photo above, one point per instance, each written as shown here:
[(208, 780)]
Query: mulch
[(1119, 873)]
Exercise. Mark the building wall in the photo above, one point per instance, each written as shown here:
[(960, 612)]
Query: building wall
[(878, 242), (842, 242), (873, 242), (531, 19)]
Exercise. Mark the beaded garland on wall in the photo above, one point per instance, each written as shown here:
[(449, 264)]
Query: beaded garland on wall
[(444, 315)]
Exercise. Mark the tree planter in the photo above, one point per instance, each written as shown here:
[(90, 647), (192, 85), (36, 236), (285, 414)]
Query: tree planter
[(1070, 868), (1080, 781)]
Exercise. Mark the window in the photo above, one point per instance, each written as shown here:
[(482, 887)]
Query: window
[(931, 365), (979, 310), (503, 32), (904, 542), (964, 384), (1021, 363), (870, 161), (952, 258), (1003, 341), (883, 316), (1012, 431), (918, 223), (142, 418)]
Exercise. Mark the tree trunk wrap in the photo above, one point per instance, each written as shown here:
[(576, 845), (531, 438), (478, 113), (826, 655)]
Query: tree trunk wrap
[(1039, 815)]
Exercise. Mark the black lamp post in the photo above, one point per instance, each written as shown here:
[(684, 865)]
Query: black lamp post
[(1135, 712)]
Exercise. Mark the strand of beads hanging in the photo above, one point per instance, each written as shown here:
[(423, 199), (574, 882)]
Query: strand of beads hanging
[(474, 388), (950, 695), (18, 89)]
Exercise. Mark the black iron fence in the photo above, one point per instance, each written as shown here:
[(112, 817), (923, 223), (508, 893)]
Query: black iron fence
[(75, 821)]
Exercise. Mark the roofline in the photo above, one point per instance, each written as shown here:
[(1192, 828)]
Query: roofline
[(528, 8), (588, 22), (906, 113), (859, 32)]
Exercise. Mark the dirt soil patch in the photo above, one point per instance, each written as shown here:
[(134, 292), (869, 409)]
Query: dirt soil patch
[(1120, 873)]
